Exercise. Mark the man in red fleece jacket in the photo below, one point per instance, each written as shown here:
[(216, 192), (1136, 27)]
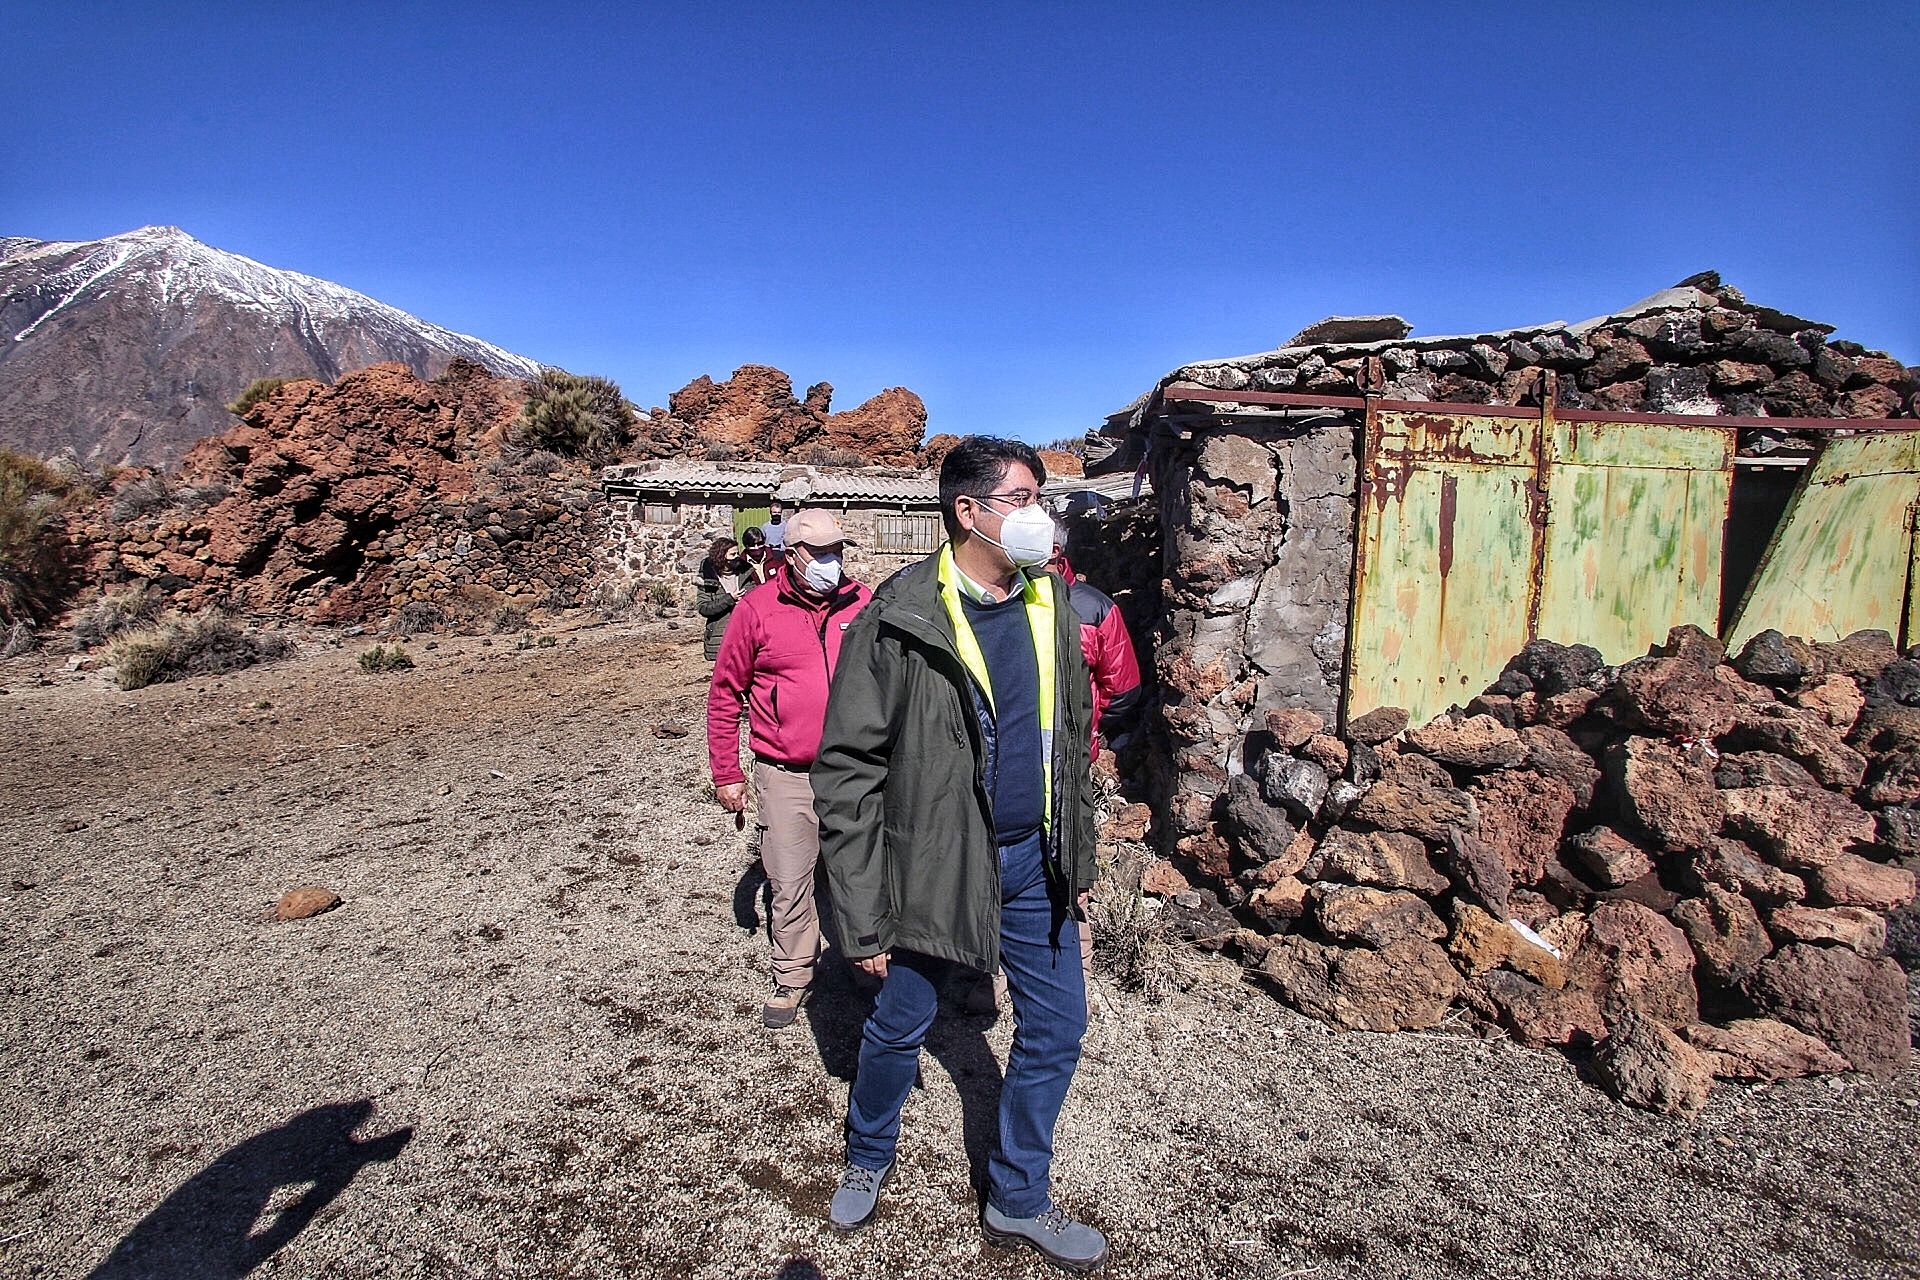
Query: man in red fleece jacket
[(779, 655)]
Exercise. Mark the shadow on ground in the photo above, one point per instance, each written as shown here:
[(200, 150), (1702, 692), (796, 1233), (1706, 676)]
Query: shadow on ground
[(215, 1226)]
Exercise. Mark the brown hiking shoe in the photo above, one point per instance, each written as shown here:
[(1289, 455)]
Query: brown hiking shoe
[(783, 1006)]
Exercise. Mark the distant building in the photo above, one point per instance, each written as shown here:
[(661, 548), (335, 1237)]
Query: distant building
[(664, 515)]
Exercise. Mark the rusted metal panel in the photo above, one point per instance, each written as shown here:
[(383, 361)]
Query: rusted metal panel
[(1441, 570), (1913, 580), (1842, 557), (1478, 532), (1635, 521)]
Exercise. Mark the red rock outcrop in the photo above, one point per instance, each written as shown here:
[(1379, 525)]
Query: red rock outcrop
[(885, 430), (755, 415), (1710, 873), (338, 503)]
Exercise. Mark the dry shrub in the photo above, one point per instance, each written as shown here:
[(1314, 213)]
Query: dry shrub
[(612, 599), (822, 455), (140, 497), (416, 616), (381, 659), (115, 613), (509, 617), (178, 647), (1130, 942), (20, 638), (198, 497), (35, 559)]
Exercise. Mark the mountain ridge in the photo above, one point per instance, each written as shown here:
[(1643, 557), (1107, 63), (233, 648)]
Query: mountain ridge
[(129, 348)]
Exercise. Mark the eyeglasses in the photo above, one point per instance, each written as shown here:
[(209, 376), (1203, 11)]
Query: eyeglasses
[(1018, 497)]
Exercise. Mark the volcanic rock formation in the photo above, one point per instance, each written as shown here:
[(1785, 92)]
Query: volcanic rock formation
[(1702, 896), (755, 415)]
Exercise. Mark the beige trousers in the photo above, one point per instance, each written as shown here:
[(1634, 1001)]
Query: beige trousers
[(789, 851)]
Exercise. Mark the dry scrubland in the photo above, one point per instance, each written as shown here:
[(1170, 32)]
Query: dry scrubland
[(526, 1044)]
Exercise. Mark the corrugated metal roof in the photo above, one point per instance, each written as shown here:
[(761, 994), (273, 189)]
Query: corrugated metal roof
[(793, 484), (860, 486), (738, 477), (1119, 486)]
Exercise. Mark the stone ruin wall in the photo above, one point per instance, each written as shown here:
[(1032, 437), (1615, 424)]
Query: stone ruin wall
[(1692, 920), (637, 555), (1257, 550)]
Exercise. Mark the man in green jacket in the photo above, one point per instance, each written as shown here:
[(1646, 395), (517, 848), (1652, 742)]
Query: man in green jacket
[(956, 828)]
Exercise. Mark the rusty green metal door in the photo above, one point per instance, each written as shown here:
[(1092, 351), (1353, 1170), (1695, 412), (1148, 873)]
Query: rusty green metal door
[(1479, 532), (1843, 556), (1444, 559), (1636, 517)]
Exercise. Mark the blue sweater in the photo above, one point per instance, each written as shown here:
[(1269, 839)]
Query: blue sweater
[(1016, 780)]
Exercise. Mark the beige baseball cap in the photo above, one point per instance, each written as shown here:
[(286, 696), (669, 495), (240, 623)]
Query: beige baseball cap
[(816, 527)]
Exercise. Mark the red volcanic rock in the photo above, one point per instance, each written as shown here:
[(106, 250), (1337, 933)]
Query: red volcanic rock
[(886, 430), (1855, 1004), (1668, 792), (306, 901), (1761, 1049), (754, 409), (1537, 1016), (1635, 959), (311, 482), (936, 449), (1647, 1065), (1060, 463), (756, 414), (1522, 817)]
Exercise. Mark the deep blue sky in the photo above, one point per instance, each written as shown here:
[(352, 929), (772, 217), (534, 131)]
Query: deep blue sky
[(1025, 212)]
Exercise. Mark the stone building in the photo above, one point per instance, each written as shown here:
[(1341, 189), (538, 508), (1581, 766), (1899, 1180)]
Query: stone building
[(664, 515), (1363, 518)]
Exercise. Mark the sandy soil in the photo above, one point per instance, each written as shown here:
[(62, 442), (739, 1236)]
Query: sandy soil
[(527, 1045)]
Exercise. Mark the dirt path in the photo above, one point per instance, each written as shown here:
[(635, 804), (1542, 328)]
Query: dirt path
[(527, 1044)]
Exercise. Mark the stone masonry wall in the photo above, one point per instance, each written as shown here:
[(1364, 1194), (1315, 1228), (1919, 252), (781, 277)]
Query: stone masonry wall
[(640, 554), (1258, 555)]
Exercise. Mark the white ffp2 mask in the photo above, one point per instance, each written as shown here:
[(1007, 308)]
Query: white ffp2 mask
[(823, 573), (1026, 535)]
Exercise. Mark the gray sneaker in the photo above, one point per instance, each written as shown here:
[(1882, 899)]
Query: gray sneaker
[(857, 1196), (783, 1006), (1064, 1242)]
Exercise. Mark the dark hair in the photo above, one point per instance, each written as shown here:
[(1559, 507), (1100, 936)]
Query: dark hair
[(974, 468), (720, 544), (755, 536)]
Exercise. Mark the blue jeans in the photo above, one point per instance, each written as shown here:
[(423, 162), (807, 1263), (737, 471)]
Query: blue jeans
[(1040, 952)]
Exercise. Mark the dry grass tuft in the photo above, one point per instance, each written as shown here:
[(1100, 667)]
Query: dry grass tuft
[(115, 613), (179, 647)]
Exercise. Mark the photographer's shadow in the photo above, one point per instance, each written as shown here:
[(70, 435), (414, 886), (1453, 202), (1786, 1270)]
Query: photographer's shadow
[(210, 1228)]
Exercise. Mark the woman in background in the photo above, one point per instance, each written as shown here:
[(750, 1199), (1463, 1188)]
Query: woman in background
[(723, 578), (762, 560)]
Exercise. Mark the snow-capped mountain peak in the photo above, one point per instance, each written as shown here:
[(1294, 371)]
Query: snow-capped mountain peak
[(130, 346)]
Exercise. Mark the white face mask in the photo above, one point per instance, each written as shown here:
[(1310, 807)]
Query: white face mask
[(1026, 535), (823, 572)]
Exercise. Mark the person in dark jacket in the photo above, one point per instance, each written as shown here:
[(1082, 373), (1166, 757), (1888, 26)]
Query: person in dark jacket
[(1115, 673), (722, 580), (956, 827)]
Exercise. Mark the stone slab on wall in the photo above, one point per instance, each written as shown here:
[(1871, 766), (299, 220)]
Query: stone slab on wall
[(1258, 529)]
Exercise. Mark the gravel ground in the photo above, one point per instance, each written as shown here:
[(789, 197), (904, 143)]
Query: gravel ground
[(527, 1045)]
